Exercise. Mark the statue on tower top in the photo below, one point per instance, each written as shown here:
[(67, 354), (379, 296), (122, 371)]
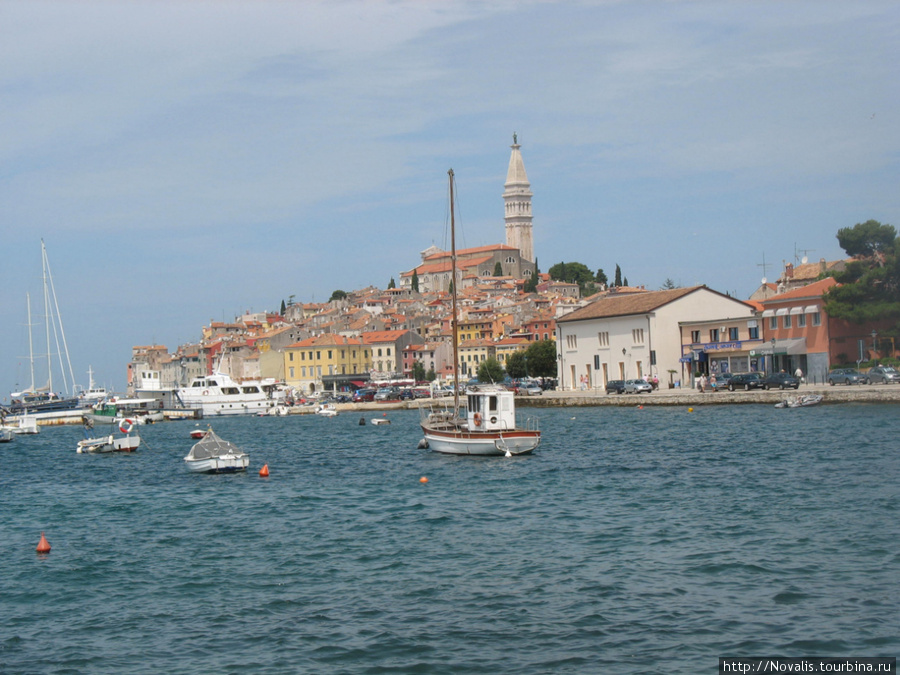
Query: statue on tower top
[(515, 138)]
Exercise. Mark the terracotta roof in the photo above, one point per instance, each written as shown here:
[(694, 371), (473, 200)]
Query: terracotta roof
[(383, 336), (813, 290), (632, 303)]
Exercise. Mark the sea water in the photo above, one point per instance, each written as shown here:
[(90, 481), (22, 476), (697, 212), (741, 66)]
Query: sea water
[(634, 540)]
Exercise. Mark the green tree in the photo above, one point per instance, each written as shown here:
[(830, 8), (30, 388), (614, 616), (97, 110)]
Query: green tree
[(490, 370), (516, 364), (668, 285), (431, 376), (530, 286), (337, 295), (415, 281), (869, 289), (542, 358), (418, 371), (600, 278), (573, 273), (867, 239), (618, 281), (625, 281), (283, 308), (498, 269), (391, 283)]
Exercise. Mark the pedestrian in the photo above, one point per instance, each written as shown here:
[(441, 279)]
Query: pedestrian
[(798, 374)]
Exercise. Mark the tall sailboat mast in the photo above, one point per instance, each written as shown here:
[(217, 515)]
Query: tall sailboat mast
[(454, 321), (30, 341), (52, 312)]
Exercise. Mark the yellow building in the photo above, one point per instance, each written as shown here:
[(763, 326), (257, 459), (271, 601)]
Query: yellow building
[(308, 361), (503, 348), (471, 355)]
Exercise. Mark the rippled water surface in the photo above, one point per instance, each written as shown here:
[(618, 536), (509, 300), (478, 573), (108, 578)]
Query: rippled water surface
[(633, 540)]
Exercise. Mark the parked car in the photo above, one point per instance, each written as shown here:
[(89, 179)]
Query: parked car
[(615, 387), (422, 392), (406, 395), (883, 375), (529, 389), (637, 386), (782, 381), (846, 376), (387, 394), (722, 380), (746, 381), (361, 395)]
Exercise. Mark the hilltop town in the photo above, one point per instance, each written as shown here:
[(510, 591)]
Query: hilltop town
[(601, 332)]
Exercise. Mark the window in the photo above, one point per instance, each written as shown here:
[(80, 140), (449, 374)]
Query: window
[(292, 372), (291, 357), (754, 332), (773, 322), (713, 334), (329, 354), (602, 338), (637, 335), (817, 319), (801, 321), (571, 341), (695, 336), (787, 320), (733, 334)]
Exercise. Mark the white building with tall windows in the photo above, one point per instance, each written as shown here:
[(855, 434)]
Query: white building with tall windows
[(621, 337)]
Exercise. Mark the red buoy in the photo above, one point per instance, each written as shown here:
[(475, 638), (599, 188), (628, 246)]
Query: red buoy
[(43, 546), (264, 472)]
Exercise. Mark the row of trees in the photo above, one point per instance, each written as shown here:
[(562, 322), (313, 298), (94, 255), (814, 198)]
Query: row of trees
[(581, 274)]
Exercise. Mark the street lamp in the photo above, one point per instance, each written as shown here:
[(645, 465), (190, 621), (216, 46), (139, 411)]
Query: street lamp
[(874, 343), (773, 356)]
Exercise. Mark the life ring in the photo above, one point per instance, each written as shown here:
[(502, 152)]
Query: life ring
[(493, 420), (126, 426), (206, 392), (477, 419)]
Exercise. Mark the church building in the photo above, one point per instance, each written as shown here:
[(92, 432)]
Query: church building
[(516, 256)]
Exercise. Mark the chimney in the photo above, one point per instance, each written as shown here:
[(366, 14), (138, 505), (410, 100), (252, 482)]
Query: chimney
[(823, 267), (789, 271)]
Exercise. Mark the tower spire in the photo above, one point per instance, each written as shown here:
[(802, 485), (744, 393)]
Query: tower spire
[(517, 202)]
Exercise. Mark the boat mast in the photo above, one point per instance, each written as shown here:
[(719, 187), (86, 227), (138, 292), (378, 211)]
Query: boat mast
[(30, 341), (50, 291), (454, 320)]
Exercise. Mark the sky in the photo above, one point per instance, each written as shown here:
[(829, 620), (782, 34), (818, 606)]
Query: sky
[(187, 162)]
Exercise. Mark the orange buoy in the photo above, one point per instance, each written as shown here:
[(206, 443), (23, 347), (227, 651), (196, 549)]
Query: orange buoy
[(43, 546), (264, 472), (423, 479)]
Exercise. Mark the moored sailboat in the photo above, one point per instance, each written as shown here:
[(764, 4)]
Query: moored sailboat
[(489, 425)]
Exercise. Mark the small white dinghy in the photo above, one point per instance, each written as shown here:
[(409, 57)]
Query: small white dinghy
[(211, 454), (110, 443)]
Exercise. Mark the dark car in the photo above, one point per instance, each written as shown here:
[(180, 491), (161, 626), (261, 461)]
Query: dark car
[(846, 376), (746, 381), (782, 381), (361, 395), (615, 387), (883, 375)]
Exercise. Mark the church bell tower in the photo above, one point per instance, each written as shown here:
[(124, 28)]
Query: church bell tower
[(517, 201)]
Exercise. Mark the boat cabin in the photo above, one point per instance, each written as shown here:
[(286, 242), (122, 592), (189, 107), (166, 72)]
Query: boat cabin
[(490, 408)]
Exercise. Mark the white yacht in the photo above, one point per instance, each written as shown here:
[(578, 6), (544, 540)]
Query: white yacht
[(219, 394)]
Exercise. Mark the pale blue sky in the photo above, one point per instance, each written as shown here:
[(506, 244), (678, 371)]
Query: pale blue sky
[(188, 161)]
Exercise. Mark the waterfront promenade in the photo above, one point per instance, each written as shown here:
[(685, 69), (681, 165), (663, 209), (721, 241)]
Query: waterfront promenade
[(873, 393)]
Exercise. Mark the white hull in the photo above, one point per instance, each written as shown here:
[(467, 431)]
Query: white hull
[(487, 444), (118, 419), (218, 395), (109, 444), (6, 435), (222, 464)]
